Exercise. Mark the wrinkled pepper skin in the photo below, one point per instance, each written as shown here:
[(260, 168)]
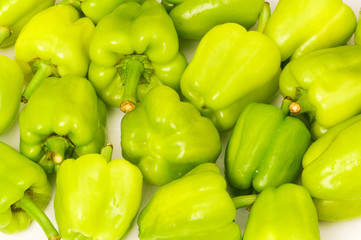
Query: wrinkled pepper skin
[(141, 53), (194, 207), (64, 118), (283, 213), (194, 18), (95, 199), (14, 14), (332, 21), (256, 155), (231, 68), (54, 42), (332, 167), (21, 180), (11, 87), (166, 138), (326, 84)]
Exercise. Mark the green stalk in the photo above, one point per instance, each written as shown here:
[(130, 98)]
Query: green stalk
[(57, 149), (263, 17), (244, 201), (107, 152), (5, 33), (36, 213)]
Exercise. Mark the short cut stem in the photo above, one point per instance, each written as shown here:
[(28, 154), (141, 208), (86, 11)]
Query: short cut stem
[(244, 201), (5, 33)]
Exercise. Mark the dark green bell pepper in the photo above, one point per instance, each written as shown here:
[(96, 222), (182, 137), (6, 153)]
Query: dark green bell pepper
[(11, 87), (64, 118), (326, 85), (14, 14), (256, 156), (332, 169), (166, 138), (97, 198), (194, 18), (140, 53), (25, 191)]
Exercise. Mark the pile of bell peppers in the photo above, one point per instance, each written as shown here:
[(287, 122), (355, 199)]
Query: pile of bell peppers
[(266, 115)]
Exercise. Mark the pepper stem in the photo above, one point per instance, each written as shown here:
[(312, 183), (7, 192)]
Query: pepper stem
[(43, 70), (244, 201), (168, 5), (5, 33), (263, 17), (132, 73), (36, 213), (107, 152)]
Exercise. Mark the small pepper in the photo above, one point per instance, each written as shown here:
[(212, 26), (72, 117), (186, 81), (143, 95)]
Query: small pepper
[(140, 53), (25, 191), (332, 169), (166, 138), (11, 87), (64, 118), (97, 198)]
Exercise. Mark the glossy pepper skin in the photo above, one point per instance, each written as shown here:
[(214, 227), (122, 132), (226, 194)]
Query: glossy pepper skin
[(256, 155), (97, 198), (14, 14), (332, 167), (25, 191), (283, 213), (231, 68), (11, 87), (166, 138), (54, 42), (326, 84), (332, 21), (196, 206), (194, 18), (141, 53), (64, 118)]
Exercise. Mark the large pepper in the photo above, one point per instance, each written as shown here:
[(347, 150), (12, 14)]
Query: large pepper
[(299, 27), (231, 68), (326, 85), (283, 213), (11, 87), (25, 191), (332, 169), (14, 14), (166, 138), (256, 155), (55, 42), (97, 198), (194, 18), (196, 206), (64, 118), (140, 53)]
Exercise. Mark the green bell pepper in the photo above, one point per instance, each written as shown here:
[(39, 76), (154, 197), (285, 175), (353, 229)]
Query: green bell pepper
[(64, 118), (194, 207), (25, 191), (299, 27), (256, 155), (332, 168), (55, 42), (141, 53), (97, 198), (11, 87), (166, 138), (231, 68), (194, 18), (326, 85), (283, 213), (14, 14)]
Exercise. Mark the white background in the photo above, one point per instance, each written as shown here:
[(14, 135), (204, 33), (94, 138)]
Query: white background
[(347, 230)]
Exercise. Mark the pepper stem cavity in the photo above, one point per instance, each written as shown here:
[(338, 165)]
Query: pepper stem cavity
[(263, 17), (107, 152), (42, 70), (56, 150), (5, 33), (244, 201), (38, 215)]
